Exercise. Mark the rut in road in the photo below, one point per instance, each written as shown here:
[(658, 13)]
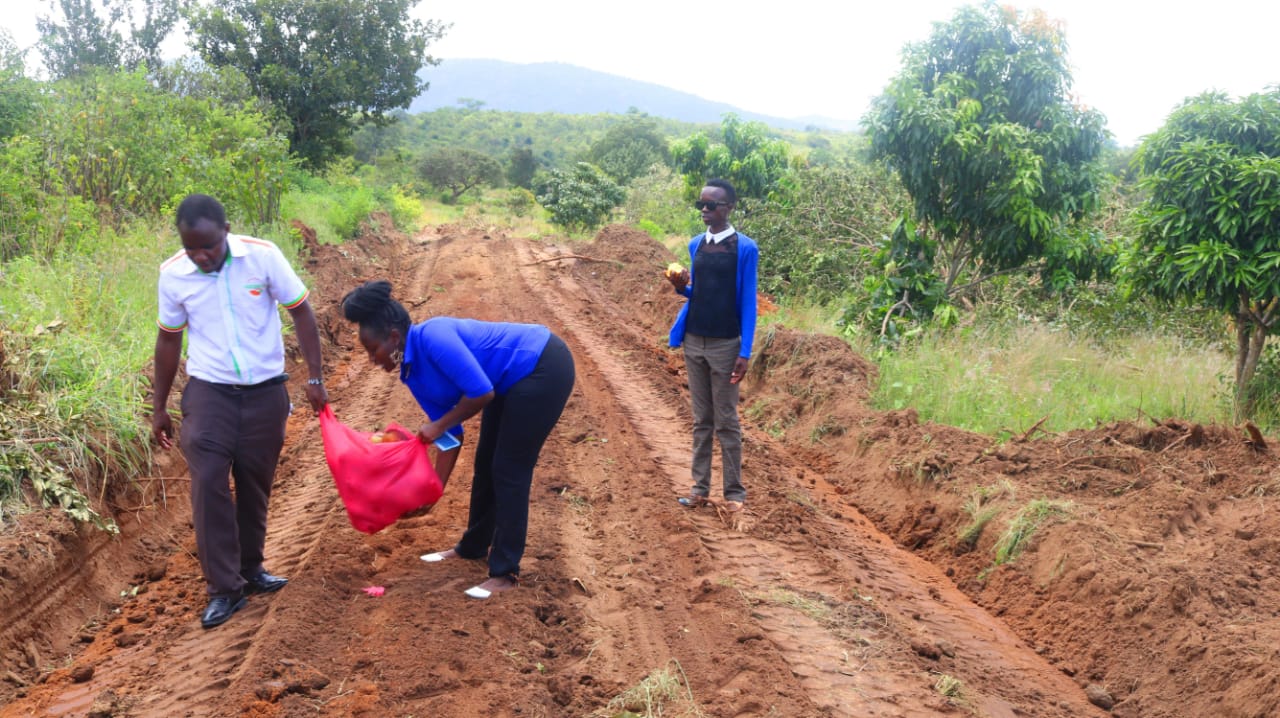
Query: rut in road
[(858, 564)]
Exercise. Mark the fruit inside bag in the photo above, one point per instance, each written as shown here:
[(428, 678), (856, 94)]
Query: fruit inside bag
[(378, 481)]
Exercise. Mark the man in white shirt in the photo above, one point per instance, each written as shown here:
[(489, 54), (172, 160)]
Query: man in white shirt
[(224, 289)]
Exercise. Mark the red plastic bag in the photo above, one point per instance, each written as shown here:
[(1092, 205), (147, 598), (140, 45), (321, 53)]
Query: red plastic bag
[(377, 482)]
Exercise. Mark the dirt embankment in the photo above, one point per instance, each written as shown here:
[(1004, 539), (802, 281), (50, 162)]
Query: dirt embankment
[(846, 589)]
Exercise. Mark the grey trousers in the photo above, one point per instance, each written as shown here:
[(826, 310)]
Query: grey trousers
[(229, 434), (709, 363)]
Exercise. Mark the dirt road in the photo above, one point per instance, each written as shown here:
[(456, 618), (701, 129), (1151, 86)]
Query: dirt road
[(801, 606)]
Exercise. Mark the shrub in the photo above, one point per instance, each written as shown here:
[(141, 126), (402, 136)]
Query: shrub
[(580, 198)]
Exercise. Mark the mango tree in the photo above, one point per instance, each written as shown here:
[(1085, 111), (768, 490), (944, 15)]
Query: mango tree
[(981, 127), (1209, 230), (746, 155)]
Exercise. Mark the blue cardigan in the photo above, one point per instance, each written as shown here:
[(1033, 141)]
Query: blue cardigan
[(447, 358), (748, 258)]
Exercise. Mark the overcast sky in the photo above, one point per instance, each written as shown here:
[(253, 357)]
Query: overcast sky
[(1132, 60)]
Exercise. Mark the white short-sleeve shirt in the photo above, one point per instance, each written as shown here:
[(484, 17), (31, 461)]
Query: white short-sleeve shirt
[(234, 326)]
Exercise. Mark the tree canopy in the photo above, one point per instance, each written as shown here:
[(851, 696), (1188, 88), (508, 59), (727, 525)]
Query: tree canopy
[(104, 34), (747, 156), (981, 127), (1209, 230), (459, 170), (579, 198), (629, 148), (327, 64)]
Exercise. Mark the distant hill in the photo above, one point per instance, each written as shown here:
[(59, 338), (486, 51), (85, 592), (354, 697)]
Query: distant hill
[(572, 90)]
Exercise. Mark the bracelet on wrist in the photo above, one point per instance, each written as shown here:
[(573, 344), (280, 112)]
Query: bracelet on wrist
[(316, 382)]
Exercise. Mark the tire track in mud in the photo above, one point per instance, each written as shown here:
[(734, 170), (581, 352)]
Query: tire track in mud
[(835, 615), (185, 670)]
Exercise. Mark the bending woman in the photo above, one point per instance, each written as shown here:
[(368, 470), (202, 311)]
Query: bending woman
[(518, 375)]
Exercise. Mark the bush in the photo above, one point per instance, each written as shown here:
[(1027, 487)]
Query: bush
[(520, 201), (657, 198), (114, 147), (580, 198)]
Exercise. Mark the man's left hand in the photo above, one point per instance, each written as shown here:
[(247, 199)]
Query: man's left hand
[(317, 396), (739, 370)]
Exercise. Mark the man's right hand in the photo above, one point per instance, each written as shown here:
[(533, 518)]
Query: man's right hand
[(679, 280), (162, 428)]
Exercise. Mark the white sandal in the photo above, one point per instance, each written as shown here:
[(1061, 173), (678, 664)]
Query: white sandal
[(433, 557)]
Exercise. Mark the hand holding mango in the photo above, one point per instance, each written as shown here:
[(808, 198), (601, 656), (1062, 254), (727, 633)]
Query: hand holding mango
[(673, 270)]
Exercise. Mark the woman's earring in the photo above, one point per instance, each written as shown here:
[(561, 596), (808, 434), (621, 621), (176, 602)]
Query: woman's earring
[(397, 356)]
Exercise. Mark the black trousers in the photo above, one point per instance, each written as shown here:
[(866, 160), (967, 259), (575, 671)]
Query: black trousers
[(513, 428), (238, 433)]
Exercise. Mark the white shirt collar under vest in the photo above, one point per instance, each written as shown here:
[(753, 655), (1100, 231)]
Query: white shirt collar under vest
[(727, 233)]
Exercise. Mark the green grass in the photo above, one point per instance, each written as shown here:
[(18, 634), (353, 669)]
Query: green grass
[(1005, 379), (77, 335), (1024, 525), (664, 692), (981, 508)]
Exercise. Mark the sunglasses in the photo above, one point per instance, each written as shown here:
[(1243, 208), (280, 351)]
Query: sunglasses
[(710, 206)]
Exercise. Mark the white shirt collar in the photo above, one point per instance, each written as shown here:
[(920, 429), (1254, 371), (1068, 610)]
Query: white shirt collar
[(727, 233), (235, 248)]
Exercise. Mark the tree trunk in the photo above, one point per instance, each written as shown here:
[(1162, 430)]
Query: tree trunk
[(956, 257), (1251, 337)]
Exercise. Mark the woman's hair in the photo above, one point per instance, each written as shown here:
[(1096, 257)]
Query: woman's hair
[(370, 305)]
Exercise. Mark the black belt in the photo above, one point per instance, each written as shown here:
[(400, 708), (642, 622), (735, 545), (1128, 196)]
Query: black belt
[(246, 387)]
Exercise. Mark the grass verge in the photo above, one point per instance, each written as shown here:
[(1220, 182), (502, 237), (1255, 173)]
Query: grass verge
[(1000, 379)]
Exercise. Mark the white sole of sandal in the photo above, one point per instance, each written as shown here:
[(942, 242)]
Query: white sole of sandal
[(478, 593), (432, 557)]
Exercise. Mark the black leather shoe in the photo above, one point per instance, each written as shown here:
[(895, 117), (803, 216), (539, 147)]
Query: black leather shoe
[(263, 582), (220, 609)]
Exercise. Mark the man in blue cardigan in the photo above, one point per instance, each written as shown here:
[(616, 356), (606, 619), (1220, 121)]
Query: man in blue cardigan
[(716, 327)]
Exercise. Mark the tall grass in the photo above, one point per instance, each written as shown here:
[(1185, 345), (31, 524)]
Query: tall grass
[(77, 332), (77, 335), (1000, 378)]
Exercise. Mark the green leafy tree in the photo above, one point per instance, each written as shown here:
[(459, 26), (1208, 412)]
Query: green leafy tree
[(459, 170), (629, 148), (521, 167), (747, 156), (104, 34), (18, 94), (580, 198), (656, 199), (328, 64), (980, 126), (1209, 230), (815, 236)]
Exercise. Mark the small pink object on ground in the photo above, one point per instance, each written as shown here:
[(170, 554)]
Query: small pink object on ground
[(375, 591)]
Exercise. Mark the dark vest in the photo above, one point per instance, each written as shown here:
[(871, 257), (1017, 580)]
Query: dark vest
[(713, 307)]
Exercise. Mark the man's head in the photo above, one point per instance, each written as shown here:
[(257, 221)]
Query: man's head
[(202, 225), (716, 202)]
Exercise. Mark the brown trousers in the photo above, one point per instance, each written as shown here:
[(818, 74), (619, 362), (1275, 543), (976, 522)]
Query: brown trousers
[(234, 432), (709, 362)]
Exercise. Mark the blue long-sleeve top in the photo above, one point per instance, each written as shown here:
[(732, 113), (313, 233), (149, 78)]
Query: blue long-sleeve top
[(748, 258), (446, 359)]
